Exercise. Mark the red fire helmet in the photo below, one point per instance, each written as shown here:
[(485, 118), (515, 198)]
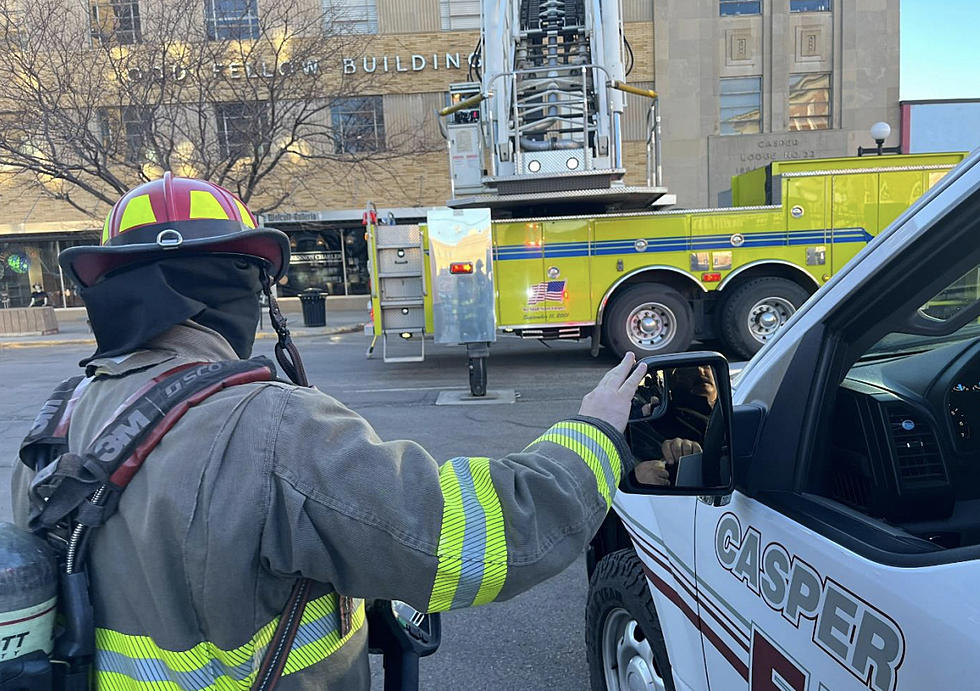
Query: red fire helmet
[(176, 216)]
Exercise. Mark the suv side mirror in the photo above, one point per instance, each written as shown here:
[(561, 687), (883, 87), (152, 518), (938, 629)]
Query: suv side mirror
[(680, 429)]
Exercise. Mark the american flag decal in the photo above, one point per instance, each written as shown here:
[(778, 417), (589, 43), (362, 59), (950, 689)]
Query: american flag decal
[(546, 291)]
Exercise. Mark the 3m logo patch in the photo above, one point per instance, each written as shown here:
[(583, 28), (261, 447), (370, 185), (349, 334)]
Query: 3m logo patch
[(123, 432)]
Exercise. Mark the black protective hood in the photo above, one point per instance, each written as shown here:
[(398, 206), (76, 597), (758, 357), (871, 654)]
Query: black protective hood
[(130, 308)]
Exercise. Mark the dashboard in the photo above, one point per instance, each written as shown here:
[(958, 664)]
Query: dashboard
[(963, 408), (905, 442)]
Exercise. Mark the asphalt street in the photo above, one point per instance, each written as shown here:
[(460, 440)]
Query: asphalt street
[(534, 641)]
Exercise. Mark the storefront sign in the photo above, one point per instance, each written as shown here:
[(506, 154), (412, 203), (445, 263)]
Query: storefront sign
[(292, 216), (329, 257)]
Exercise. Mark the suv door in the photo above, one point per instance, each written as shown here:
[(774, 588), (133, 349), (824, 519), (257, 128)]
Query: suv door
[(794, 611), (805, 591)]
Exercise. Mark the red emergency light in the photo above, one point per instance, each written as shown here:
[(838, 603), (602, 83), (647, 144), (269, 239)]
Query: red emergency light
[(461, 268), (710, 278)]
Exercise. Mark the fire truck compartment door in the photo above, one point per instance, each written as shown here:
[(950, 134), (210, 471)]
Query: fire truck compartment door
[(462, 302)]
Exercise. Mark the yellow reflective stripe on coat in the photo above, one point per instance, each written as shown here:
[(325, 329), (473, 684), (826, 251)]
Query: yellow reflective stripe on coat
[(472, 543), (593, 447), (125, 662)]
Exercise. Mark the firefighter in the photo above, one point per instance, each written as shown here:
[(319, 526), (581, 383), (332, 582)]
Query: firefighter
[(266, 482), (693, 394)]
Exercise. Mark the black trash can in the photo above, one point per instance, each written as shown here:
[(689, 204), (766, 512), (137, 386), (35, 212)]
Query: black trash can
[(314, 307)]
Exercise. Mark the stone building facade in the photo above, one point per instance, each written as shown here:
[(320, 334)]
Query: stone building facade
[(740, 83), (744, 83)]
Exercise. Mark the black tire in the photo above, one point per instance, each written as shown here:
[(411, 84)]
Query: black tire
[(478, 376), (742, 304), (618, 583), (676, 321)]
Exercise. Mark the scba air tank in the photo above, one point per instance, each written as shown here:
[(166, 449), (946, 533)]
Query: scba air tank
[(28, 589)]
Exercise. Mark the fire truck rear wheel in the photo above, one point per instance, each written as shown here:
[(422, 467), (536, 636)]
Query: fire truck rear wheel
[(623, 640), (756, 310), (649, 319)]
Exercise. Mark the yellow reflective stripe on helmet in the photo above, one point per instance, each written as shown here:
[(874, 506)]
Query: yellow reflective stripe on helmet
[(127, 662), (105, 229), (206, 205), (246, 216), (472, 542), (138, 212), (593, 447)]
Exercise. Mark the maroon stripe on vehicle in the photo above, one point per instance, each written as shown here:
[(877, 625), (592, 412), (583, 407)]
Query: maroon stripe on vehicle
[(664, 561), (715, 611), (699, 624)]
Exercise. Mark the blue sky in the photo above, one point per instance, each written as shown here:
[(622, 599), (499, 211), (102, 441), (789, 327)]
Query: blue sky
[(940, 49)]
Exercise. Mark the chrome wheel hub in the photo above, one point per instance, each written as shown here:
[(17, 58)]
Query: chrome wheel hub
[(651, 326), (627, 660), (767, 316)]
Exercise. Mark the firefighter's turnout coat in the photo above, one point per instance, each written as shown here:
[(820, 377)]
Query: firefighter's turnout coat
[(265, 482)]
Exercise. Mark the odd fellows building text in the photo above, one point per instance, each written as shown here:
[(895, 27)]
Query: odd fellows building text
[(404, 63)]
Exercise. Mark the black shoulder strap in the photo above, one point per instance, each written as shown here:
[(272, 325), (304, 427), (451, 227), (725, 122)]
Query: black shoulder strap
[(61, 490), (48, 437)]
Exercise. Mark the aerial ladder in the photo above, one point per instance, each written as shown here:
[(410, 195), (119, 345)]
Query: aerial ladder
[(543, 125), (537, 130)]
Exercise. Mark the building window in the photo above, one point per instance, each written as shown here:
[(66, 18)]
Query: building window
[(115, 22), (11, 35), (226, 20), (809, 5), (741, 105), (728, 8), (358, 125), (126, 131), (351, 16), (809, 101), (241, 129), (459, 14)]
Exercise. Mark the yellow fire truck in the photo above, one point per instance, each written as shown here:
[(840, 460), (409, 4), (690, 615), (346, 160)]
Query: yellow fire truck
[(543, 239), (652, 282)]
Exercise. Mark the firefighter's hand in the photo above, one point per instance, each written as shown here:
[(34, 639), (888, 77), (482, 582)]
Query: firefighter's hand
[(611, 399), (674, 449), (652, 473)]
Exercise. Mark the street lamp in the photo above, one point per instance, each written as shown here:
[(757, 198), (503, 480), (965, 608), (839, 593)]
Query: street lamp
[(880, 132)]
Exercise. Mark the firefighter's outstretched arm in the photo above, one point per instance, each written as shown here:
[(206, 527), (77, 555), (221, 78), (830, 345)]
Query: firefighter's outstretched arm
[(384, 520)]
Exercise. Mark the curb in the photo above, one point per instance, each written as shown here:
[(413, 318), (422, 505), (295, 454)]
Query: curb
[(261, 335)]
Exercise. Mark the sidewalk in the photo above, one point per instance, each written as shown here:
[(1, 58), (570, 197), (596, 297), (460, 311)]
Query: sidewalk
[(76, 331)]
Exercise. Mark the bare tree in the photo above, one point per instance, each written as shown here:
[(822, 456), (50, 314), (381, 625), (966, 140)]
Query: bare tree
[(96, 97)]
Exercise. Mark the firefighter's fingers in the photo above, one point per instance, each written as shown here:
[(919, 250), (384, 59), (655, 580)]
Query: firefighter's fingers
[(611, 399), (633, 381), (652, 473), (675, 449), (617, 375)]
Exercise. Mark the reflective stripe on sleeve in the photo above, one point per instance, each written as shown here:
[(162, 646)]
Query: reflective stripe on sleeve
[(124, 662), (593, 447), (472, 544)]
